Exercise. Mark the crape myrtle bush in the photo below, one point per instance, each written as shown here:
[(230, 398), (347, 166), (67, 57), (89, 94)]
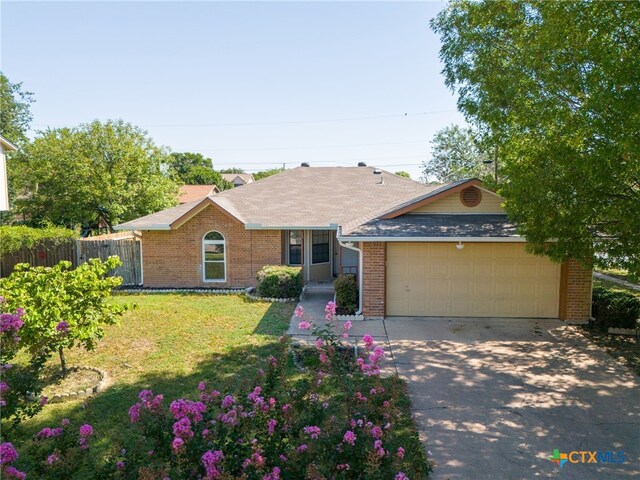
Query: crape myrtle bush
[(615, 308), (346, 288), (279, 281), (322, 424), (20, 384)]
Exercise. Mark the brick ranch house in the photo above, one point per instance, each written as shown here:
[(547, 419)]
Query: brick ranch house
[(417, 250)]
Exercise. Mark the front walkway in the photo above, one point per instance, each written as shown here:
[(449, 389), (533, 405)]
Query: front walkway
[(314, 301)]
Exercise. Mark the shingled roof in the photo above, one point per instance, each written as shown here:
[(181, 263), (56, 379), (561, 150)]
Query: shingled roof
[(303, 197), (434, 226)]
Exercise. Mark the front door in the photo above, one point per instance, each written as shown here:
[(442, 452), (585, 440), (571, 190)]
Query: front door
[(318, 255)]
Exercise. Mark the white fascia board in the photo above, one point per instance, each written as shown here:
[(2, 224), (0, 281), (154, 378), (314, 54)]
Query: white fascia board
[(258, 226), (148, 227), (433, 239)]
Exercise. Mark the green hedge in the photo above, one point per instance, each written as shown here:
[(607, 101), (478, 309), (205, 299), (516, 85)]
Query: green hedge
[(615, 308), (279, 281), (17, 238), (346, 288)]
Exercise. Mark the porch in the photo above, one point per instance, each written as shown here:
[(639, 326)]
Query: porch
[(319, 254)]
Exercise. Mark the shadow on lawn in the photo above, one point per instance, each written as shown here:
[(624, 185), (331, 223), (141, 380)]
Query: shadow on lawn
[(272, 322), (231, 371)]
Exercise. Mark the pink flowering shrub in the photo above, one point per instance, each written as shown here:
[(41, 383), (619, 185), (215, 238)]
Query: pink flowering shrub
[(61, 449), (20, 384), (338, 420), (8, 455), (324, 424)]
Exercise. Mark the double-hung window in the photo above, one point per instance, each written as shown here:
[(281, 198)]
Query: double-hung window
[(295, 247), (320, 246)]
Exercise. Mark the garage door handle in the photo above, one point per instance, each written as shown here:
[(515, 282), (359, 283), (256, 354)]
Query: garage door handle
[(406, 288)]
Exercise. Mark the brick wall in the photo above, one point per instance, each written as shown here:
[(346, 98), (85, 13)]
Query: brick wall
[(575, 301), (174, 258), (373, 271)]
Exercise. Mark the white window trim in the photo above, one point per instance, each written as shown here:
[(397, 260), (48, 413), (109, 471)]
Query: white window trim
[(222, 242), (311, 249), (289, 248)]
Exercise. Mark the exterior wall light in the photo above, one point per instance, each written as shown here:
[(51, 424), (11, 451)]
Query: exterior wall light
[(459, 246)]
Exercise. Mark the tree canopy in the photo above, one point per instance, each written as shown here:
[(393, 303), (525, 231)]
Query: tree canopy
[(15, 110), (556, 86), (267, 173), (455, 155), (195, 169), (110, 172), (402, 173)]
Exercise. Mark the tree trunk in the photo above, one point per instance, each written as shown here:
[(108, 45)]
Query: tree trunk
[(63, 362)]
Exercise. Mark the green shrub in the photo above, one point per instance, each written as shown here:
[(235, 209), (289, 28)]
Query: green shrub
[(615, 308), (16, 238), (279, 281), (346, 288)]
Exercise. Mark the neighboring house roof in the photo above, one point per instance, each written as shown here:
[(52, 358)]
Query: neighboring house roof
[(303, 197), (244, 177), (7, 144), (436, 225), (189, 193)]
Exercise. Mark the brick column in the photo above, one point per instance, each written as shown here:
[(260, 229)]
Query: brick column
[(373, 279), (575, 292)]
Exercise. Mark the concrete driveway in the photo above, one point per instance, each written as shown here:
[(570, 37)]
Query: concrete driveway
[(494, 397)]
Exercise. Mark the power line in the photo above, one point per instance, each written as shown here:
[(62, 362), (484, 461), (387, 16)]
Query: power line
[(287, 122), (343, 161), (304, 148)]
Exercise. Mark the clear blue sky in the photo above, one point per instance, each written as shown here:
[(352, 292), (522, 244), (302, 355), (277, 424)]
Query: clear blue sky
[(248, 84)]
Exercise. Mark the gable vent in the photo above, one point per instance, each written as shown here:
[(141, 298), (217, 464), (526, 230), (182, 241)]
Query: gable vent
[(470, 197)]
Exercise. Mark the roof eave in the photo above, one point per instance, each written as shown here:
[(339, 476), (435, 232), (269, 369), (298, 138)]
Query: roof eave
[(159, 227), (8, 145), (373, 238)]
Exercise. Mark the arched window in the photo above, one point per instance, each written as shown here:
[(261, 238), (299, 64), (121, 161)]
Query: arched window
[(214, 260)]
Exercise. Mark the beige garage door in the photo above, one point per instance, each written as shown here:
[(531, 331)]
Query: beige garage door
[(481, 280)]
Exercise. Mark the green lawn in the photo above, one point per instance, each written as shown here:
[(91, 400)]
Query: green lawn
[(619, 273), (169, 343)]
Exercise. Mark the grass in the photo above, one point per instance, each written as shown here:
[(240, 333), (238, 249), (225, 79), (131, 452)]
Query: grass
[(169, 343), (614, 286), (620, 347), (619, 273)]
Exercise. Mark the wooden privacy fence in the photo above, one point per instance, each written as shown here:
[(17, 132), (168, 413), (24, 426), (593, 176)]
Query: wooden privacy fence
[(125, 245), (47, 254)]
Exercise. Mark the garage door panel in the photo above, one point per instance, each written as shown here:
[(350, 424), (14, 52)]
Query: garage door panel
[(504, 269), (461, 289), (484, 280), (439, 289), (439, 251)]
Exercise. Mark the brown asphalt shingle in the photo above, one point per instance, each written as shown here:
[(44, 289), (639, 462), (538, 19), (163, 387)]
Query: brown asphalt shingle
[(307, 197)]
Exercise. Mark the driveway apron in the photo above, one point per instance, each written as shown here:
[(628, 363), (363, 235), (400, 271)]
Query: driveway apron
[(493, 398)]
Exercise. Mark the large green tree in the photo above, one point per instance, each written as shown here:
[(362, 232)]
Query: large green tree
[(556, 86), (455, 154), (15, 110), (111, 172), (195, 169)]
